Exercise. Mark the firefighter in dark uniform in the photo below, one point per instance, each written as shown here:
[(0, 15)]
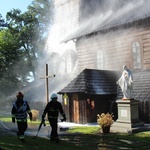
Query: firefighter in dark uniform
[(19, 112), (53, 108)]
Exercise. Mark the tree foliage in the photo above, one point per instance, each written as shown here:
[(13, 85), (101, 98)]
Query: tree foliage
[(23, 42), (43, 11), (10, 56), (2, 22)]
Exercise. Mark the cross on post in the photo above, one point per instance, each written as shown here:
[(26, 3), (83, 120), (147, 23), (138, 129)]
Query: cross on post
[(46, 83)]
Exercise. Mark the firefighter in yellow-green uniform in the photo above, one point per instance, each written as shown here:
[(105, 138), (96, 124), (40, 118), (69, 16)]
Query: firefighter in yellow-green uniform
[(19, 112), (53, 108)]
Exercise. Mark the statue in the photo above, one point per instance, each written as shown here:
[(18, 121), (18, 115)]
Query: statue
[(126, 83)]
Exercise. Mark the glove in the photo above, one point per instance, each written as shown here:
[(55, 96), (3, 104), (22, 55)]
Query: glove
[(43, 118), (64, 119), (44, 124), (30, 115), (13, 120)]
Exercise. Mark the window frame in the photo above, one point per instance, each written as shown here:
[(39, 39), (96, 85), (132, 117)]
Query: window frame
[(141, 52)]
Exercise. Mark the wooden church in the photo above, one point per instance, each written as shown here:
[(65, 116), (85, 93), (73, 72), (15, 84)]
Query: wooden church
[(110, 34)]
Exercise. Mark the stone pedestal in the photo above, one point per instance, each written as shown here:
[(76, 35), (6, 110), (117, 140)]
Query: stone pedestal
[(128, 117)]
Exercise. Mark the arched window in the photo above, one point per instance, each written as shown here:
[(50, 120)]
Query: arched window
[(100, 60), (136, 55)]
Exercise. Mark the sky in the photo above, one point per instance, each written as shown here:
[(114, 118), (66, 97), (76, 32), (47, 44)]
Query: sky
[(8, 5)]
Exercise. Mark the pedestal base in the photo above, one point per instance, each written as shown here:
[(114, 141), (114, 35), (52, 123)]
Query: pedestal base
[(128, 127), (128, 118)]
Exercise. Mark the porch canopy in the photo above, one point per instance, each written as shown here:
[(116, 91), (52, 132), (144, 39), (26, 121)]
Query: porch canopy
[(91, 81)]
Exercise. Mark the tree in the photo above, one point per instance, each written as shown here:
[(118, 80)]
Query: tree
[(23, 43), (31, 29), (11, 75), (2, 23), (43, 11)]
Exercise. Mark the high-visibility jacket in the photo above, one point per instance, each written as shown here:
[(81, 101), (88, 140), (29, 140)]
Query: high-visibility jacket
[(20, 110), (53, 109)]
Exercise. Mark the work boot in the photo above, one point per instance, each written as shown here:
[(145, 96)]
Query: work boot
[(57, 140), (18, 134), (52, 139), (22, 140)]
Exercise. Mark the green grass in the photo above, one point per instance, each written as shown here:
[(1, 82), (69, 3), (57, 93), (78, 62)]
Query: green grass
[(5, 119), (84, 130), (82, 141), (9, 119), (80, 138), (12, 143)]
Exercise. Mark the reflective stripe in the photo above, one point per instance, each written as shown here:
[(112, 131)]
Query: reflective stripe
[(21, 137), (21, 120), (53, 110), (52, 117), (21, 116)]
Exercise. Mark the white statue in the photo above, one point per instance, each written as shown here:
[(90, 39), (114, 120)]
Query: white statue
[(126, 83)]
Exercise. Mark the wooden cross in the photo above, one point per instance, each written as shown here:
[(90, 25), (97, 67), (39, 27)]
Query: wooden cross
[(46, 83)]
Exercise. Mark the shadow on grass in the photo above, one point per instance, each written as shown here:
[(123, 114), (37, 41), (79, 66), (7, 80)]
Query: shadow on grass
[(78, 141), (108, 141)]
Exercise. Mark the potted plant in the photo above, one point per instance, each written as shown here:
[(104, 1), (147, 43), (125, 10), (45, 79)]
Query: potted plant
[(105, 121), (35, 114)]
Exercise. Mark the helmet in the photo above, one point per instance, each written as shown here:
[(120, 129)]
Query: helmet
[(19, 94), (54, 95)]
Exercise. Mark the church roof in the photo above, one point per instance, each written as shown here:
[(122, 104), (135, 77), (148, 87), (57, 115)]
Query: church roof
[(141, 85), (120, 14)]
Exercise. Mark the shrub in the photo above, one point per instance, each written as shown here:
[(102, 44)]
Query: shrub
[(35, 114), (105, 120)]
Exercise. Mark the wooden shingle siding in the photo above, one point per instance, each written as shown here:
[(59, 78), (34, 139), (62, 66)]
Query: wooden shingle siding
[(146, 50), (117, 50)]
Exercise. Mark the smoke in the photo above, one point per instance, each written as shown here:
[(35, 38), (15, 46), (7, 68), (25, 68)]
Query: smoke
[(94, 16), (108, 14)]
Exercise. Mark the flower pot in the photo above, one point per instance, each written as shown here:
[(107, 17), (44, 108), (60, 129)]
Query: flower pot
[(106, 129)]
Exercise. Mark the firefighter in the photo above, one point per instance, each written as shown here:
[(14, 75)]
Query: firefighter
[(19, 112), (53, 108)]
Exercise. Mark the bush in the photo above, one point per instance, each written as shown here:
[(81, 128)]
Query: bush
[(35, 114), (105, 120)]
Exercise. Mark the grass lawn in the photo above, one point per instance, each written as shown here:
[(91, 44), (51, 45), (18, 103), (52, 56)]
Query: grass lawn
[(12, 143), (82, 141), (81, 138), (9, 119)]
